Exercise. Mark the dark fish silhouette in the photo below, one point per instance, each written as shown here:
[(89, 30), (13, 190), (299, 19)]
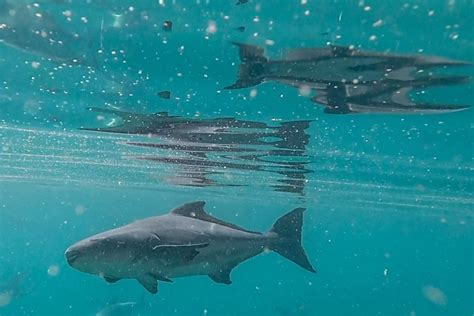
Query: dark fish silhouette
[(31, 29), (185, 242), (339, 73), (240, 28), (209, 148), (165, 94), (212, 131), (385, 97)]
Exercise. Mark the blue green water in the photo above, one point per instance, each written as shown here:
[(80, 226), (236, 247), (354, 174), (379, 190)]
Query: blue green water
[(389, 198)]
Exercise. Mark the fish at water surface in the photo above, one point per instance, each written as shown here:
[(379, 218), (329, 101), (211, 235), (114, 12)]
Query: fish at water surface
[(349, 80), (185, 242)]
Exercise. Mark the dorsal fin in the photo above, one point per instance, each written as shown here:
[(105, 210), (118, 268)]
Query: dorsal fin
[(196, 210)]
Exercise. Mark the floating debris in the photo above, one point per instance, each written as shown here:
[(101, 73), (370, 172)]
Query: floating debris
[(241, 28), (435, 295), (165, 94), (167, 26)]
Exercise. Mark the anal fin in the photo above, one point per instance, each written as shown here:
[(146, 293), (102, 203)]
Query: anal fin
[(111, 279), (161, 277), (221, 275), (149, 283)]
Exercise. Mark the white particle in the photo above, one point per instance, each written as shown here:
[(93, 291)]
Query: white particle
[(211, 27), (79, 210), (53, 270), (35, 64), (377, 23), (269, 42), (304, 90), (5, 298), (435, 295), (372, 38), (253, 93)]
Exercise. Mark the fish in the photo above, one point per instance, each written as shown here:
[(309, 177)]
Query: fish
[(165, 94), (333, 70), (213, 147), (187, 241), (119, 309), (222, 130), (33, 30), (386, 98)]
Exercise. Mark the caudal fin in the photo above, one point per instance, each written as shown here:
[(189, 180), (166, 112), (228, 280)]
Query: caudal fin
[(288, 228), (251, 68)]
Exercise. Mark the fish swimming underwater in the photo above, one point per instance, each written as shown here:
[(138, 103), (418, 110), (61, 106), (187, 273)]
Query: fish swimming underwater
[(386, 98), (119, 309), (187, 241), (217, 131), (34, 30), (336, 70), (215, 147)]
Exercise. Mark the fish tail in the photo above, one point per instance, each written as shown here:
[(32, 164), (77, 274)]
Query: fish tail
[(288, 229), (252, 66)]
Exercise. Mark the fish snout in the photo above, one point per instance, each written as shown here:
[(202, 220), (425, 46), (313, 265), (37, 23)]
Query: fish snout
[(72, 253)]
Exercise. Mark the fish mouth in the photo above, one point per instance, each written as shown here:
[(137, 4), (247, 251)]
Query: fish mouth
[(71, 256)]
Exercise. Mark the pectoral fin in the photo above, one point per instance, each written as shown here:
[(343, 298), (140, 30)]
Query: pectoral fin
[(149, 283)]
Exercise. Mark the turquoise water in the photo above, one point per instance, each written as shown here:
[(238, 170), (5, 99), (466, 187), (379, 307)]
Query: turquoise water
[(389, 219)]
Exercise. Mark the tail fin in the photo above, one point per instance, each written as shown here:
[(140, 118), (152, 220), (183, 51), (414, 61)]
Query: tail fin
[(288, 228), (251, 68)]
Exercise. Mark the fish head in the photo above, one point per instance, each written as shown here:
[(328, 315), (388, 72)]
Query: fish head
[(113, 253)]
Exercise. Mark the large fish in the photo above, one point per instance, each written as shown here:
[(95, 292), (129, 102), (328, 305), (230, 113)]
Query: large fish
[(217, 131), (386, 97), (34, 30), (187, 241), (340, 72)]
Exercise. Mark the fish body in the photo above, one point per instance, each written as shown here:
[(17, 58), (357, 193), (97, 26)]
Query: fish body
[(338, 73), (185, 242), (32, 29)]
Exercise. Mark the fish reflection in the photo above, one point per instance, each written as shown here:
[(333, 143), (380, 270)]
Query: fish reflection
[(349, 80), (207, 150)]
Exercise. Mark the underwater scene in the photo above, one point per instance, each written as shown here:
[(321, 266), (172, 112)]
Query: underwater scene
[(236, 157)]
